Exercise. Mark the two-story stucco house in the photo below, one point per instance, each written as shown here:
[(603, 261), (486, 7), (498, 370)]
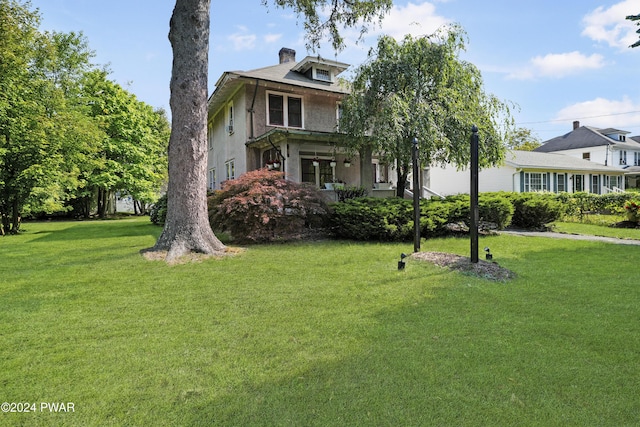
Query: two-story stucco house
[(611, 147), (284, 116)]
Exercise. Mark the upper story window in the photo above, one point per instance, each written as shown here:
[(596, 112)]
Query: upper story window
[(284, 110), (586, 156), (322, 74), (636, 158), (623, 157), (338, 115), (230, 118), (210, 137)]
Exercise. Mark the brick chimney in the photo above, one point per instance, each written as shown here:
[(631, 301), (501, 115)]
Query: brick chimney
[(576, 125), (287, 55)]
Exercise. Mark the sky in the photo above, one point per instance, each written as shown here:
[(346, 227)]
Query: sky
[(557, 61)]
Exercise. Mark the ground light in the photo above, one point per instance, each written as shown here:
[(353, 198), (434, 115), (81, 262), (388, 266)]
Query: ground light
[(401, 263)]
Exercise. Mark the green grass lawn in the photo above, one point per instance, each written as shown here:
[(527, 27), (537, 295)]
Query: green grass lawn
[(315, 334)]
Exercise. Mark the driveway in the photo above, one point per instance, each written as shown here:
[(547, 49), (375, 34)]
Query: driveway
[(571, 236)]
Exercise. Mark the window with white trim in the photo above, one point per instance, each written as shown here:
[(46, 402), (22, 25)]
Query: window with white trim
[(230, 118), (636, 158), (562, 182), (210, 137), (536, 181), (230, 169), (322, 74), (284, 110), (212, 179), (595, 184), (338, 115), (623, 157)]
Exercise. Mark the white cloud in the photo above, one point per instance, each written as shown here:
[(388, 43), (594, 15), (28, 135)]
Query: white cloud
[(610, 26), (242, 40), (600, 112), (414, 19), (272, 38), (557, 65)]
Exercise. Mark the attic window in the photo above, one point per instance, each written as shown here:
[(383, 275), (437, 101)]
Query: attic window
[(323, 75), (622, 138)]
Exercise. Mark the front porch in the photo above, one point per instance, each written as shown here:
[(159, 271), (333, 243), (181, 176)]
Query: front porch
[(318, 158)]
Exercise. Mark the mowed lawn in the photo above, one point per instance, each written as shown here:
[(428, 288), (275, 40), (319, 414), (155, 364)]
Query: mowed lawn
[(315, 334)]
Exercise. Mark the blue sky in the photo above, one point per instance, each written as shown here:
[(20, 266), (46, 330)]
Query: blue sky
[(560, 60)]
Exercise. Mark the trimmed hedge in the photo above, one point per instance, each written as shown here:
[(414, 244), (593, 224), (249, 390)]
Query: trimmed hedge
[(392, 219)]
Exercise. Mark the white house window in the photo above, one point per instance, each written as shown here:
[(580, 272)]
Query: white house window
[(210, 137), (212, 179), (284, 110), (230, 169), (595, 184), (613, 181), (636, 158), (623, 157), (535, 181), (338, 114), (586, 156), (562, 182), (230, 118)]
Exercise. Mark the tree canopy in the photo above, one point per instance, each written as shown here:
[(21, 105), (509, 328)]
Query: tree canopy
[(52, 136), (523, 139), (420, 88)]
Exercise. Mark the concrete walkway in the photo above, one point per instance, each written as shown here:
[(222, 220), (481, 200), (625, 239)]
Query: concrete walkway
[(571, 236)]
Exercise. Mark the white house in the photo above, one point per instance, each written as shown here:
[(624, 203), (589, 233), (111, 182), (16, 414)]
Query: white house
[(609, 146), (527, 171)]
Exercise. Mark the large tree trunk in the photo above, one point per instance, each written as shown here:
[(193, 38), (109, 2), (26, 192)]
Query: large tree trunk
[(187, 226)]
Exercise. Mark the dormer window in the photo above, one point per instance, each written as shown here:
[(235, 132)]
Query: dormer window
[(622, 138), (322, 74)]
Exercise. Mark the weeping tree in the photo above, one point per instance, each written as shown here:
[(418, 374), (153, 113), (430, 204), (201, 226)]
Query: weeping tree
[(420, 88), (187, 228), (635, 18)]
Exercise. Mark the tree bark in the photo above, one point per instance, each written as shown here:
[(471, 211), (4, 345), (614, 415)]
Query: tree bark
[(187, 226)]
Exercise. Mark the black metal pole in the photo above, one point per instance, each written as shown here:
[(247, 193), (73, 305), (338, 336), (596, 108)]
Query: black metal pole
[(416, 196), (475, 216)]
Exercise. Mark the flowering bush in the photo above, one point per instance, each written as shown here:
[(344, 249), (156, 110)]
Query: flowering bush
[(631, 207)]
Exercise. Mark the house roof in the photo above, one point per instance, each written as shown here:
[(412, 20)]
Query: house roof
[(586, 137), (552, 161), (287, 73)]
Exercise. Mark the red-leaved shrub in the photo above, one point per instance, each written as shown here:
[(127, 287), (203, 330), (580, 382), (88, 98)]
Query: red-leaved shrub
[(262, 206)]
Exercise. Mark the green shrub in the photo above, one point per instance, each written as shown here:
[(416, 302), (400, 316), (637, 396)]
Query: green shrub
[(535, 210), (369, 218), (496, 208), (392, 219), (263, 206), (158, 212), (350, 192)]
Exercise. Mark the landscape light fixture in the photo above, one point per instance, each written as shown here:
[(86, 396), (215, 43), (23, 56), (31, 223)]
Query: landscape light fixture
[(488, 256), (401, 263)]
